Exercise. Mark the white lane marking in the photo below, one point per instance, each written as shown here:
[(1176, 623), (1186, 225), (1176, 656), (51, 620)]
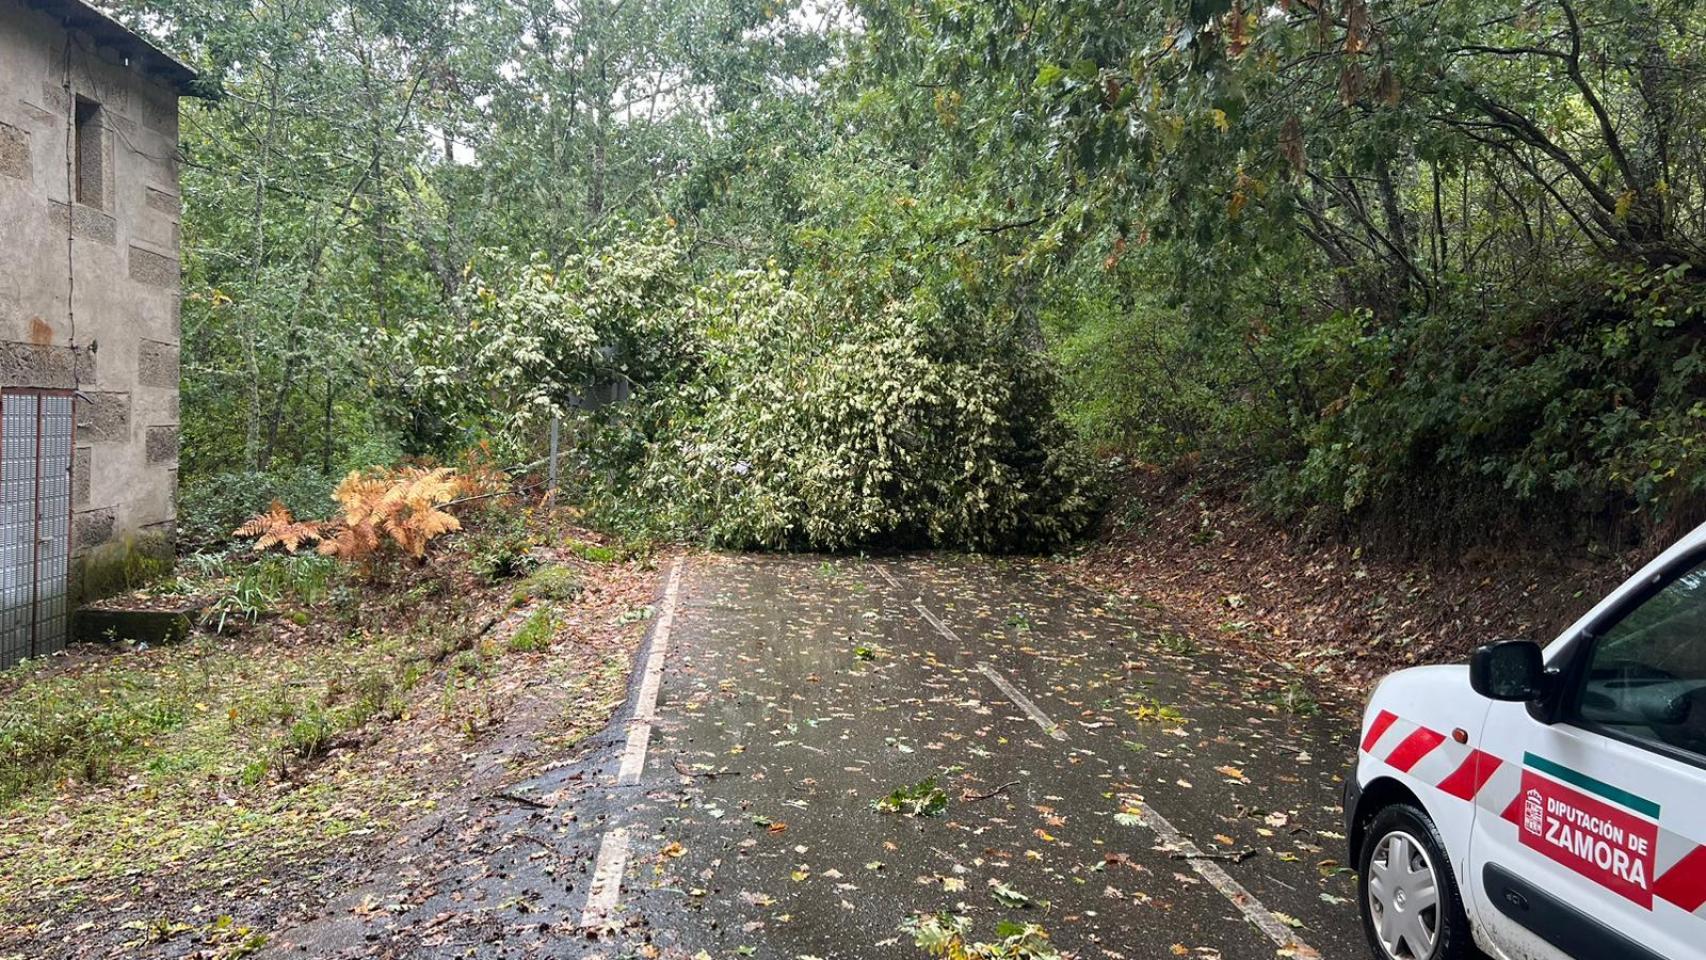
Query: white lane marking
[(886, 575), (941, 627), (606, 886), (1232, 890), (634, 754), (1013, 693), (645, 707), (606, 889), (1037, 716)]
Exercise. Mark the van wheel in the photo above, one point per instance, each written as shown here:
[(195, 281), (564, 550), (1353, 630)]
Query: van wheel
[(1411, 909)]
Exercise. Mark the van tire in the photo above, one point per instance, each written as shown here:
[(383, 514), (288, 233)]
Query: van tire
[(1414, 837)]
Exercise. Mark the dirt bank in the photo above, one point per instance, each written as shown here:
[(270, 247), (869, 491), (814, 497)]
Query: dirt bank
[(1340, 615)]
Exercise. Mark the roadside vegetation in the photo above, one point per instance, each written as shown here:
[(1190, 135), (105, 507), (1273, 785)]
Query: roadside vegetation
[(317, 706), (1336, 286), (1425, 277)]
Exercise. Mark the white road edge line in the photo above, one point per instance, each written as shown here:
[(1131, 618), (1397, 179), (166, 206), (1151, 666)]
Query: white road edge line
[(606, 889), (1254, 910), (606, 886)]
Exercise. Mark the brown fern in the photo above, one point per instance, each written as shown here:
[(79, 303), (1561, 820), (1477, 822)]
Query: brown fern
[(401, 505), (276, 527)]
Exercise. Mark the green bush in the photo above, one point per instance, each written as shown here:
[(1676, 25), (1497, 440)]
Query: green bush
[(310, 736), (500, 544), (210, 507)]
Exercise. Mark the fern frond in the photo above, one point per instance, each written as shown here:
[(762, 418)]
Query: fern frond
[(276, 527), (401, 505), (354, 542)]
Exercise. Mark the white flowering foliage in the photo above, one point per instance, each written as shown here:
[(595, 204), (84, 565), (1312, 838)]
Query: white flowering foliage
[(551, 336), (817, 426), (770, 413)]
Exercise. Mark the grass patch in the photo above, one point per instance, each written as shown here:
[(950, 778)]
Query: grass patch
[(593, 552), (238, 751), (173, 758), (536, 633), (547, 583), (60, 728)]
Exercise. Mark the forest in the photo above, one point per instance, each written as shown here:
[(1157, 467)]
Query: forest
[(824, 275)]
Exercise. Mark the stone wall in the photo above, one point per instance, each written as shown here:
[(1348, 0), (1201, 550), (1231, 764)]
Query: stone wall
[(89, 272)]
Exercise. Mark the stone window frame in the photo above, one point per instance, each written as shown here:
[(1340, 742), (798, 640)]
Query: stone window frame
[(89, 152)]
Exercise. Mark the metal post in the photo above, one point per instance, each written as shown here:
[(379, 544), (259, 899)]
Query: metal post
[(551, 485)]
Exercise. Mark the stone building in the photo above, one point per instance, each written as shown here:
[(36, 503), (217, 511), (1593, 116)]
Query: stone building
[(89, 285)]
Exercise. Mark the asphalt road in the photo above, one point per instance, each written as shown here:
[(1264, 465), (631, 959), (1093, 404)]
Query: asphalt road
[(1128, 793), (1133, 796)]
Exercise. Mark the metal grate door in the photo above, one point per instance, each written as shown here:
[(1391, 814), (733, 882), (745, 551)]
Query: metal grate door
[(35, 521)]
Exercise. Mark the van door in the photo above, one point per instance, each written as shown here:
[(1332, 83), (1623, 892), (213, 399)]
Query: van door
[(1588, 831)]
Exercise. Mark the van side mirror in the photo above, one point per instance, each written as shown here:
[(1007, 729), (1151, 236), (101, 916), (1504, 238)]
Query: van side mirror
[(1508, 670)]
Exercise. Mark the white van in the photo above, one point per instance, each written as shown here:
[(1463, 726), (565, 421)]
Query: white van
[(1545, 804)]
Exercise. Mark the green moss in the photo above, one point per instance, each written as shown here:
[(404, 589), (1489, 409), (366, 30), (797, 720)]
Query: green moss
[(128, 563), (547, 583), (536, 633), (594, 552)]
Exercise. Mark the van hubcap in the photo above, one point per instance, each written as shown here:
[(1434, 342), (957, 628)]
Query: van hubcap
[(1403, 897)]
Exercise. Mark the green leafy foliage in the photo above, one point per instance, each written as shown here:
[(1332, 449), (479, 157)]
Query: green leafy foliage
[(1422, 261), (814, 410), (945, 935), (502, 548), (1414, 262), (922, 799)]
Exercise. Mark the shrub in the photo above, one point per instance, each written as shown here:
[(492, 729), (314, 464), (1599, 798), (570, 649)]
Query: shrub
[(311, 736), (210, 507), (501, 546), (401, 506)]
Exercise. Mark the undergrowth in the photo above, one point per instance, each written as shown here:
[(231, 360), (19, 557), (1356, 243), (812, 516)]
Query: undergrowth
[(154, 758)]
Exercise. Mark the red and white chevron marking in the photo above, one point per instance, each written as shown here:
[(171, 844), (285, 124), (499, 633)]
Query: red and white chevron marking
[(1494, 785)]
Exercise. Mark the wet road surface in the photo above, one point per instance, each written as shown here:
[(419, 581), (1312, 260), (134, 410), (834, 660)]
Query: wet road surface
[(1057, 728), (1084, 752)]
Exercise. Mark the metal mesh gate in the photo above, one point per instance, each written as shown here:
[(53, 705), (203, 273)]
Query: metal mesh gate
[(35, 521)]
